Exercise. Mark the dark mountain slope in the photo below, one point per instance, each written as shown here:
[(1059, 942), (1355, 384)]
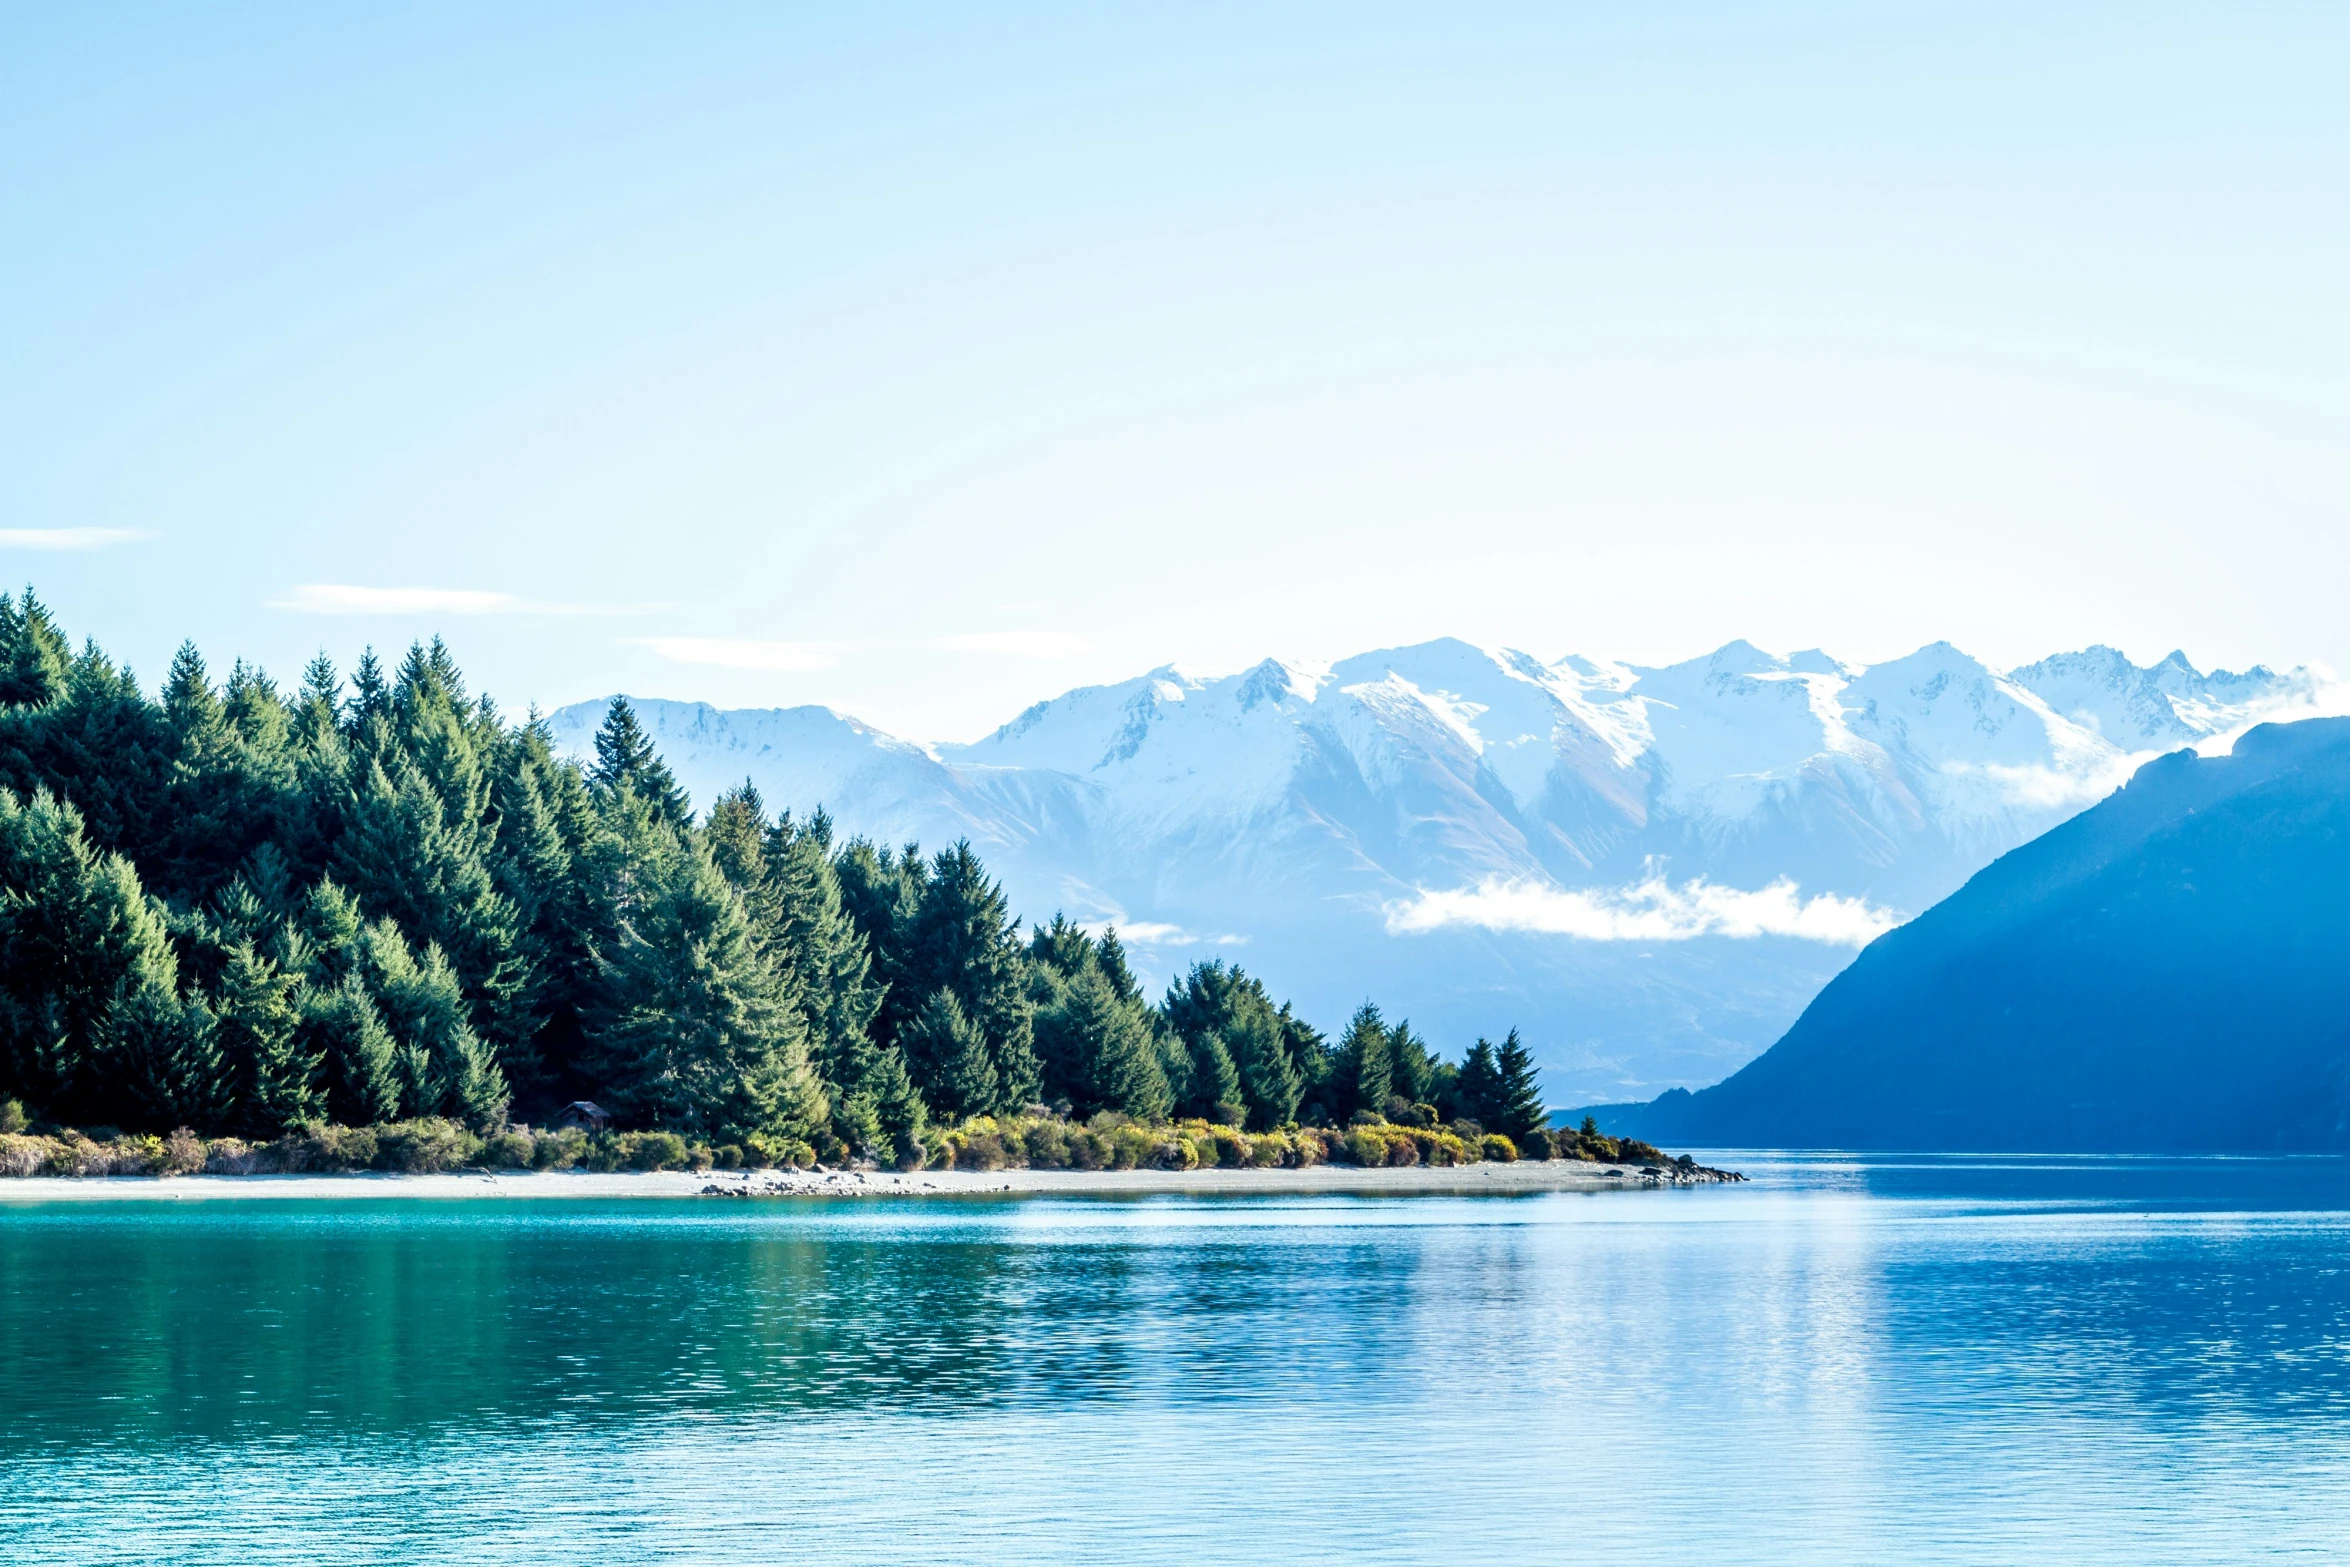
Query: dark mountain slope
[(2167, 971)]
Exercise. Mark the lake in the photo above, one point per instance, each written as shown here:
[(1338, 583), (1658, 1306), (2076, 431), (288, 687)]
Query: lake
[(1935, 1360)]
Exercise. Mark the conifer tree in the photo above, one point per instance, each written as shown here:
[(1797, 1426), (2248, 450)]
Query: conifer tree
[(1227, 1003), (948, 1054), (1309, 1056), (963, 939), (1363, 1074), (442, 1065), (34, 655), (361, 1067), (1110, 953), (159, 1066), (704, 1036), (625, 759), (1479, 1087), (1411, 1066), (1097, 1048), (1517, 1105), (77, 930), (277, 1075)]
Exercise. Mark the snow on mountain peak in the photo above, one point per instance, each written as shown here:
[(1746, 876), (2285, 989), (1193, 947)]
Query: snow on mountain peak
[(1442, 824)]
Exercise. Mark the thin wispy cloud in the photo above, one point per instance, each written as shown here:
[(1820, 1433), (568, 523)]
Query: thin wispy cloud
[(1650, 910), (1018, 644), (789, 658), (69, 538), (1149, 933), (343, 598)]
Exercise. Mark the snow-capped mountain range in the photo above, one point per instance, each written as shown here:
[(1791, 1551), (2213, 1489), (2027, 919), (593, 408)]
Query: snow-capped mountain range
[(1650, 871)]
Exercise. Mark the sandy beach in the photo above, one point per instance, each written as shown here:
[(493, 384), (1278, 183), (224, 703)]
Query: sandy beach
[(1461, 1180)]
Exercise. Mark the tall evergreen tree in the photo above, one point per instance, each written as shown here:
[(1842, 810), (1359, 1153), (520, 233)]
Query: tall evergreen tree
[(277, 1075), (1478, 1088), (360, 1060), (625, 759), (964, 940), (1362, 1072), (1226, 1003), (158, 1066), (1517, 1107), (1411, 1066), (948, 1054), (702, 1034)]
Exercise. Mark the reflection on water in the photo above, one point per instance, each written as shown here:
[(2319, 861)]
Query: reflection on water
[(1935, 1360)]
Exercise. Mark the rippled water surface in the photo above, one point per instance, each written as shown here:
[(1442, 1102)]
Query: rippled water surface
[(1967, 1360)]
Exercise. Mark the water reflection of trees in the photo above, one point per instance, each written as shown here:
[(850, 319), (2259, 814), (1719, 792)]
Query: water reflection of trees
[(250, 1321)]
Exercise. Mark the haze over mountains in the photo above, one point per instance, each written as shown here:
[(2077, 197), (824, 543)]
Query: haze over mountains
[(1651, 871)]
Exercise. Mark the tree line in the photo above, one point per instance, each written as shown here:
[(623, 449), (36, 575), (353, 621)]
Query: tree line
[(240, 909)]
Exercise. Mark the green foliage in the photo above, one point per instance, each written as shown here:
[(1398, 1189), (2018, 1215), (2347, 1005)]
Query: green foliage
[(1228, 1007), (1362, 1074), (1096, 1042), (1517, 1110), (700, 1031), (237, 909)]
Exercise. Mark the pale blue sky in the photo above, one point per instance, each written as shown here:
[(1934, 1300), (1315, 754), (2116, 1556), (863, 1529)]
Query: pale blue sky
[(930, 360)]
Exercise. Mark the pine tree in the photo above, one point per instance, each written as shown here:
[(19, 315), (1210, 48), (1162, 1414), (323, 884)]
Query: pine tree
[(1097, 1049), (1517, 1104), (341, 1026), (1479, 1087), (1411, 1067), (442, 1065), (1215, 1081), (1225, 1002), (1309, 1055), (34, 655), (160, 1065), (963, 939), (703, 1036), (948, 1055), (77, 930), (625, 759), (277, 1074), (1363, 1075), (1110, 953)]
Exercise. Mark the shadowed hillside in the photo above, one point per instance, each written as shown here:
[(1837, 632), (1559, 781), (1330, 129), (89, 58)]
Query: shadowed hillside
[(2167, 971)]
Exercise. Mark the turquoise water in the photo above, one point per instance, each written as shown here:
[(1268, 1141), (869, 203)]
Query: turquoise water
[(1982, 1360)]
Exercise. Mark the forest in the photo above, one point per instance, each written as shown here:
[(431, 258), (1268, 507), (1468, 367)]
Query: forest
[(237, 911)]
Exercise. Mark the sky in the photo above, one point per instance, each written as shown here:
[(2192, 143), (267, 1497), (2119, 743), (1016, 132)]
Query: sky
[(927, 361)]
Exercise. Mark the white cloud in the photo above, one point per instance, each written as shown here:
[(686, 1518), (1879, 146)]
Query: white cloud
[(69, 538), (1651, 910), (745, 653), (1148, 933), (343, 598), (338, 598), (1020, 644)]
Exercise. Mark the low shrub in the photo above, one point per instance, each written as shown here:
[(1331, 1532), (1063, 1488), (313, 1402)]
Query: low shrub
[(1174, 1153), (319, 1148), (511, 1149), (21, 1155), (651, 1151), (558, 1150), (183, 1153), (1497, 1148), (424, 1146), (233, 1156)]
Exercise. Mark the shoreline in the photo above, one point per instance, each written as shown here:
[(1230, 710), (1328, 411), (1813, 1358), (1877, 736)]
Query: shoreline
[(1522, 1178)]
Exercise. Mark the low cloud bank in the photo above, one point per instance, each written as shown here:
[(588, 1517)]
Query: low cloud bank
[(1651, 910)]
